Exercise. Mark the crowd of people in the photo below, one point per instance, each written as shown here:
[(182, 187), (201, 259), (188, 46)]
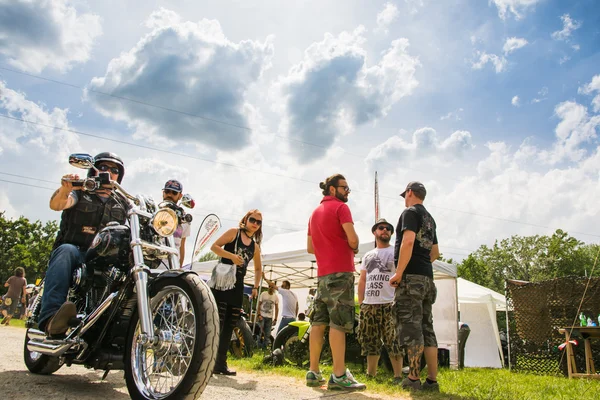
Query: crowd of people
[(395, 288)]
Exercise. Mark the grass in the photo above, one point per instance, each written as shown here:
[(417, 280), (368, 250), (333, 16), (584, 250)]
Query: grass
[(19, 323), (470, 383)]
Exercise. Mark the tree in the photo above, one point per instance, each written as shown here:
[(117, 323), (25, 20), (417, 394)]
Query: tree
[(528, 258), (25, 244), (208, 256)]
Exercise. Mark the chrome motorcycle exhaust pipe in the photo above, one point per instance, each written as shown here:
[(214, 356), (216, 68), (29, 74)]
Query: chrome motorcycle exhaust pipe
[(96, 314), (35, 334), (55, 349)]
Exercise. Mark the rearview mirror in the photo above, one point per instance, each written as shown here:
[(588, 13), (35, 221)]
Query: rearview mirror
[(188, 201), (81, 160)]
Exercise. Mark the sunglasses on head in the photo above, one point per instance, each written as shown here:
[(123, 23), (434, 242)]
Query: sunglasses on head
[(169, 191), (253, 220), (382, 227), (105, 167)]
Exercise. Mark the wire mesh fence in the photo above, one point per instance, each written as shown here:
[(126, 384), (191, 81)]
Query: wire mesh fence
[(537, 310)]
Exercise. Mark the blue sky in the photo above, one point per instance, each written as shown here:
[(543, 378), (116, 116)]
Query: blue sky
[(494, 105)]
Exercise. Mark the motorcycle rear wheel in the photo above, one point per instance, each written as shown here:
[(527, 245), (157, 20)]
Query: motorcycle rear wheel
[(243, 344), (39, 363), (180, 365)]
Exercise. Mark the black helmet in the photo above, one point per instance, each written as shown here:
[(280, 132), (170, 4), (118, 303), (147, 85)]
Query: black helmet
[(113, 158)]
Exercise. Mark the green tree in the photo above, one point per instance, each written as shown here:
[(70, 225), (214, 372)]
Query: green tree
[(208, 256), (528, 258), (25, 244)]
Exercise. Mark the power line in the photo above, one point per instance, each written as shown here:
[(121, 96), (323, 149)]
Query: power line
[(193, 115), (272, 173), (27, 184)]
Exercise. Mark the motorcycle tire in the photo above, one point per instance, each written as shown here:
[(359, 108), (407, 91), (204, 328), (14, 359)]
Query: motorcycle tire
[(185, 306), (243, 344), (296, 352), (39, 363)]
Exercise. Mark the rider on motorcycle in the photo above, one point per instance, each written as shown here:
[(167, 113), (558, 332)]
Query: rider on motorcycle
[(83, 215)]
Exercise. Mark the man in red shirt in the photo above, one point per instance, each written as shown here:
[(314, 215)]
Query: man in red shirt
[(333, 241)]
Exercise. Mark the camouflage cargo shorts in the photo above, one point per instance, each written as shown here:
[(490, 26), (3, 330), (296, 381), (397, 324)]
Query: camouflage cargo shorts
[(377, 326), (413, 302), (334, 304)]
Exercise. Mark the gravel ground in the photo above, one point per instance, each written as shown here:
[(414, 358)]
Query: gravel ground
[(77, 382)]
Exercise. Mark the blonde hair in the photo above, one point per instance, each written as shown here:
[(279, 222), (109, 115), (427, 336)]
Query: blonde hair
[(258, 234)]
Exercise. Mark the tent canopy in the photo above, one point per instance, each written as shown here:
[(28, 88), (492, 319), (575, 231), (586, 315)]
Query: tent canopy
[(469, 292)]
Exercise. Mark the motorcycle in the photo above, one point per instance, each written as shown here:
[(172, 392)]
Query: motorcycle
[(161, 326)]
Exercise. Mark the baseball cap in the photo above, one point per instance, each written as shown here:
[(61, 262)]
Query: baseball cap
[(174, 185), (416, 187), (382, 221)]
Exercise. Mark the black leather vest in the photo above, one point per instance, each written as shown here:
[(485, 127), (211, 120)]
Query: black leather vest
[(80, 223)]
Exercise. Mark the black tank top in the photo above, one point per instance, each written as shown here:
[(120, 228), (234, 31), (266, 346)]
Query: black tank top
[(246, 252)]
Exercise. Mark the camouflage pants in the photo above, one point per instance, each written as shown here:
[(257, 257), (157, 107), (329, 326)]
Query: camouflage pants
[(376, 326), (334, 304), (413, 302)]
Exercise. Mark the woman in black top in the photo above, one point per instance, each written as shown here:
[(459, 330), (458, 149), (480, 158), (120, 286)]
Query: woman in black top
[(246, 240)]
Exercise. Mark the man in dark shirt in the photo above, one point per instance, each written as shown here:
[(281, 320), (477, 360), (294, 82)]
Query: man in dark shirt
[(415, 250)]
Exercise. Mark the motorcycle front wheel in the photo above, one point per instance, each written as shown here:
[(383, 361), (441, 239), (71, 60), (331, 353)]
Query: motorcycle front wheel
[(180, 363)]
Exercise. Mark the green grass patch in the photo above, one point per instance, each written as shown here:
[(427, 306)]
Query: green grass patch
[(470, 383), (19, 323)]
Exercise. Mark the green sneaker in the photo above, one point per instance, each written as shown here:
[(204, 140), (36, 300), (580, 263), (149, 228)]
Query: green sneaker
[(314, 379), (345, 382)]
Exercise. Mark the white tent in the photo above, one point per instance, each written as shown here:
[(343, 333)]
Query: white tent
[(478, 306), (284, 256)]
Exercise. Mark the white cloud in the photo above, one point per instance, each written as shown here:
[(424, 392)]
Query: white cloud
[(575, 129), (424, 144), (414, 5), (158, 169), (40, 34), (569, 25), (590, 88), (455, 115), (19, 137), (333, 90), (500, 63), (388, 15), (543, 92), (515, 101), (515, 7), (190, 67), (513, 44)]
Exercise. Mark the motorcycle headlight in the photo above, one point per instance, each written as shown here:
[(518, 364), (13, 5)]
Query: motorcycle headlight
[(164, 222)]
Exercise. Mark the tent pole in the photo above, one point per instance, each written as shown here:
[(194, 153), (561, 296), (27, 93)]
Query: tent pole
[(507, 326), (258, 292)]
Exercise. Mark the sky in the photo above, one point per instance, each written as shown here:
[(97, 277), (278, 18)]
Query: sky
[(493, 105)]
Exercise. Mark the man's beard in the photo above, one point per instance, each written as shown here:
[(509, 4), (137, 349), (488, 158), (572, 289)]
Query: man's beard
[(384, 239), (341, 197)]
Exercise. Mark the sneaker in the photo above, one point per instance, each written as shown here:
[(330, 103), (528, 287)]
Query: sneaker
[(314, 379), (407, 384), (345, 382), (397, 381), (432, 387)]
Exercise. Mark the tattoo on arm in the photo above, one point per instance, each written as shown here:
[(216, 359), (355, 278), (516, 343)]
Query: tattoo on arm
[(54, 194)]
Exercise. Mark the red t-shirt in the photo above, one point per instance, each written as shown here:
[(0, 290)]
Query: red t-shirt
[(329, 239)]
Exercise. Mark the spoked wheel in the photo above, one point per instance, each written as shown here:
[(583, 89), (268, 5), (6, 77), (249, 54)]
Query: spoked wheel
[(295, 352), (242, 342), (179, 363)]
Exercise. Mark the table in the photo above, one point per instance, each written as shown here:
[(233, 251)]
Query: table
[(587, 333)]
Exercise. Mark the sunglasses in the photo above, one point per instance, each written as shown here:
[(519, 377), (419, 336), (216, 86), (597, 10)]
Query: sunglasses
[(384, 227), (346, 188), (253, 220), (105, 167), (169, 191)]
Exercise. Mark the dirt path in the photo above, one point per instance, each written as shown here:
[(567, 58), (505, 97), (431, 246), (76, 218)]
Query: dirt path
[(80, 383)]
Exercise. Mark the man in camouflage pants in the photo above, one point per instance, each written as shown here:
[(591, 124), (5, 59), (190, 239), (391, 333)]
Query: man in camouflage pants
[(333, 241), (376, 324), (415, 251)]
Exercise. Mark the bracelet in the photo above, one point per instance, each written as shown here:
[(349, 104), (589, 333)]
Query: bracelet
[(255, 288)]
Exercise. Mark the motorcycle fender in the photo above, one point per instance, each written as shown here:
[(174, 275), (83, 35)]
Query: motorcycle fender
[(302, 327), (173, 273)]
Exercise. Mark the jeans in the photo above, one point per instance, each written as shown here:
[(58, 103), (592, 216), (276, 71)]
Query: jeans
[(284, 322), (63, 261), (267, 325)]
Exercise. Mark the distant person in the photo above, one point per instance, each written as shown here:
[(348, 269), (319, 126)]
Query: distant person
[(173, 192), (16, 294), (415, 250), (301, 316), (268, 311), (376, 325), (289, 303), (334, 242)]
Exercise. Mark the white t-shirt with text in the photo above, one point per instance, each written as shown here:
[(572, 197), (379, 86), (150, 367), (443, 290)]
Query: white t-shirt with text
[(379, 264), (267, 305)]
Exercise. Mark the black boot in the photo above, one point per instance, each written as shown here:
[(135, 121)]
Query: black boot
[(221, 366)]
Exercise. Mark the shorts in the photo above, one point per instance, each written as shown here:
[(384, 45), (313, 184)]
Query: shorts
[(413, 302), (377, 326), (334, 303)]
